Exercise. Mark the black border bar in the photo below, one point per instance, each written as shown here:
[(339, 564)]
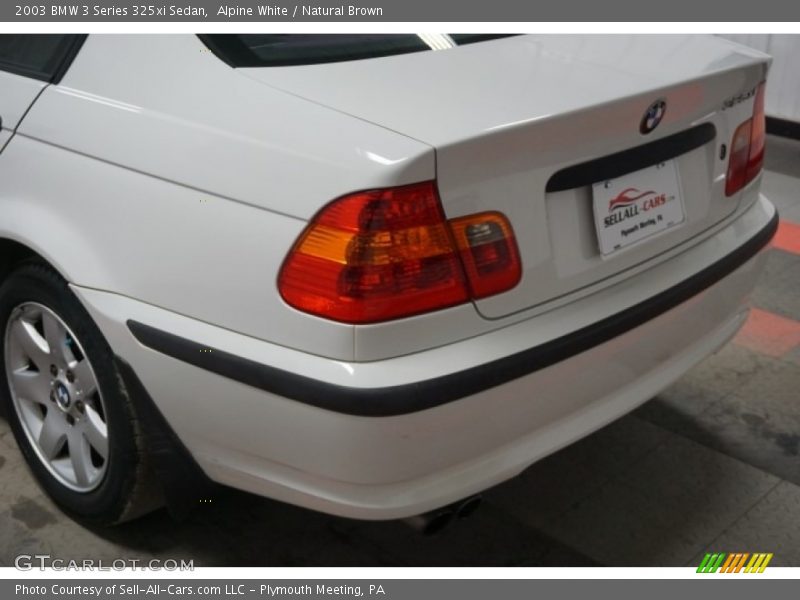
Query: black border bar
[(421, 395), (634, 159)]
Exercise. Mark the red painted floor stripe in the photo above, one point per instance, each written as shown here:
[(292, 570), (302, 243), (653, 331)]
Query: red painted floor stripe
[(769, 334), (788, 237)]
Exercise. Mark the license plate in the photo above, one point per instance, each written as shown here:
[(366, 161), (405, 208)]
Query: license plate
[(633, 207)]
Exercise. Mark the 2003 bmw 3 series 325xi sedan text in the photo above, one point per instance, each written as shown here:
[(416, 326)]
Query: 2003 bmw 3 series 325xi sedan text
[(369, 275)]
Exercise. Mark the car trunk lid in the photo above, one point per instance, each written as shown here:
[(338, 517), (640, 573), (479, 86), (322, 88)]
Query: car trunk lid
[(535, 126)]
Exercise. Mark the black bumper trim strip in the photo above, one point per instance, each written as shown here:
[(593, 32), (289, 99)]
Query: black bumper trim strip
[(403, 399), (634, 159)]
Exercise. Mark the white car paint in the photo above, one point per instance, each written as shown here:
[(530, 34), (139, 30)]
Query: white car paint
[(392, 467), (501, 133), (176, 185), (18, 94), (783, 88)]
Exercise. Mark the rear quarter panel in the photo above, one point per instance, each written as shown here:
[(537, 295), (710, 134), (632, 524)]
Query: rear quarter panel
[(155, 171)]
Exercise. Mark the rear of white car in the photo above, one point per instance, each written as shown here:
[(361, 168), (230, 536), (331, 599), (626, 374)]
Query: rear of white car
[(374, 287)]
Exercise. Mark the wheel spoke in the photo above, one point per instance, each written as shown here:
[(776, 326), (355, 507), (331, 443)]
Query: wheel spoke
[(80, 458), (56, 335), (53, 434), (84, 378), (32, 386), (33, 345), (95, 431)]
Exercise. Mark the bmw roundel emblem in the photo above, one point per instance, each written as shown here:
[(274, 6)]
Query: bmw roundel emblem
[(62, 396), (652, 116)]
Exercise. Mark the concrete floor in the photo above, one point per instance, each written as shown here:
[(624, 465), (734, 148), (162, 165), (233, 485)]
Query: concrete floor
[(712, 463)]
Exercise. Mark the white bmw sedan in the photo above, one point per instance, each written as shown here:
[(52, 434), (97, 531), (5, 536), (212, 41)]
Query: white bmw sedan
[(371, 275)]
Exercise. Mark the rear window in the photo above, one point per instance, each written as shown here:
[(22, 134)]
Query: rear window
[(272, 50)]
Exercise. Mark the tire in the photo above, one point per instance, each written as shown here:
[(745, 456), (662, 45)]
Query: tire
[(72, 418)]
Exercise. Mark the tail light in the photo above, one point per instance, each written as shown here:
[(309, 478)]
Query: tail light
[(488, 252), (390, 253), (747, 148)]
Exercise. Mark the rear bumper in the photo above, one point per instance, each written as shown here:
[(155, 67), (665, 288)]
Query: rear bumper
[(305, 431), (421, 395)]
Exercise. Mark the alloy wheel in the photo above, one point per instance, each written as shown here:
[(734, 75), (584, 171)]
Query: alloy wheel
[(55, 394)]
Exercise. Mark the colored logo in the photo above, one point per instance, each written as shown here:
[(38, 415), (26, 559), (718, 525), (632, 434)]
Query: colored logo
[(626, 197), (652, 116), (736, 562), (62, 396)]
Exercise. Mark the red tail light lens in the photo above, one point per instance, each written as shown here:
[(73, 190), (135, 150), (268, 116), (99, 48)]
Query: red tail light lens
[(747, 148), (384, 254), (488, 252), (373, 256), (758, 136), (737, 164)]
